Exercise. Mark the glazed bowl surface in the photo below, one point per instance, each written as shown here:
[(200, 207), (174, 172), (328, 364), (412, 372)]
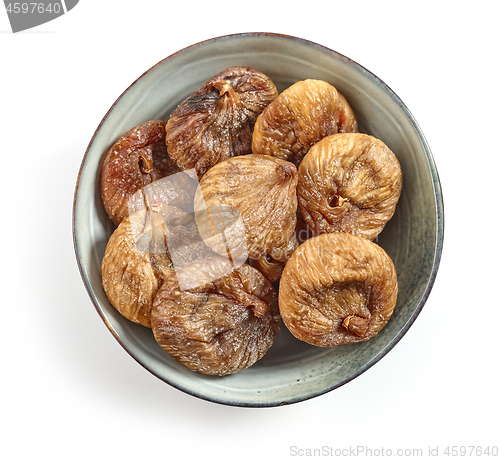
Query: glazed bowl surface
[(291, 371)]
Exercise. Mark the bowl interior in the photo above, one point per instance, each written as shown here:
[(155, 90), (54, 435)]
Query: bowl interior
[(291, 371)]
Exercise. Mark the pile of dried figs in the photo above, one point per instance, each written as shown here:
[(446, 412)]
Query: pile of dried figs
[(246, 209)]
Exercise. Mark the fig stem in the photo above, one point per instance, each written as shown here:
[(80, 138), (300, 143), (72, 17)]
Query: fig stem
[(337, 201), (259, 309), (356, 324), (145, 164), (285, 171), (223, 86)]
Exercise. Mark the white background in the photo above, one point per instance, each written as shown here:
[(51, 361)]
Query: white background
[(69, 391)]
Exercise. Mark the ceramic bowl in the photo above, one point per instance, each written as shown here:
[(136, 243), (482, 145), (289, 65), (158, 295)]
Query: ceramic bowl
[(291, 371)]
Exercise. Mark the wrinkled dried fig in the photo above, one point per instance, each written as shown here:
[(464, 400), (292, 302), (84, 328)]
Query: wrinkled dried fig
[(349, 183), (143, 249), (220, 327), (216, 121), (261, 191), (138, 158), (174, 190), (131, 276), (300, 116), (337, 288)]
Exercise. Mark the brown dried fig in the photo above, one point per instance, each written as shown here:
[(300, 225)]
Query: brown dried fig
[(220, 327), (144, 248), (176, 190), (349, 183), (337, 288), (300, 116), (216, 121), (131, 276), (138, 158), (261, 191)]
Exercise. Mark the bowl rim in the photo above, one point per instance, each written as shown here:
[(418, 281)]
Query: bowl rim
[(438, 196)]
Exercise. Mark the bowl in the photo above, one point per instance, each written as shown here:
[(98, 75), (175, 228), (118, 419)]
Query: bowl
[(291, 371)]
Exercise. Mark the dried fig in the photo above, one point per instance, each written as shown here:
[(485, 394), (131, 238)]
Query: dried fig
[(138, 158), (300, 116), (220, 327), (349, 183), (337, 288), (144, 248), (262, 189), (216, 121), (131, 275), (175, 190)]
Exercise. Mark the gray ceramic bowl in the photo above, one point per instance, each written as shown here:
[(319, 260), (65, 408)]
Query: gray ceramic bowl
[(291, 371)]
